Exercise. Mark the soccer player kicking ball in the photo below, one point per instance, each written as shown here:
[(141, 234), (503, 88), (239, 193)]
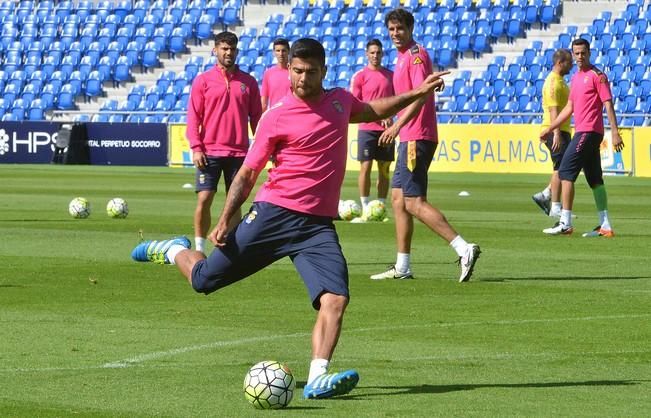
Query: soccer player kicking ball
[(292, 214), (589, 94)]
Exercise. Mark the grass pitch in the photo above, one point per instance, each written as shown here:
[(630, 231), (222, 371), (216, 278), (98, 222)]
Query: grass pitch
[(548, 326)]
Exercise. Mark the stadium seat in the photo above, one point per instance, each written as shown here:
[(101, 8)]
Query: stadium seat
[(177, 41), (150, 56), (116, 118), (122, 70), (66, 99), (204, 27), (36, 110), (230, 16), (547, 15), (94, 84)]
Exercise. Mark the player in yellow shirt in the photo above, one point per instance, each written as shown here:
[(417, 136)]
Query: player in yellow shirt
[(555, 94)]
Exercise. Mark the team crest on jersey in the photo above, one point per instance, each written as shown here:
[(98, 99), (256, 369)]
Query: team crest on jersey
[(251, 217), (417, 61), (603, 79), (242, 87), (338, 107)]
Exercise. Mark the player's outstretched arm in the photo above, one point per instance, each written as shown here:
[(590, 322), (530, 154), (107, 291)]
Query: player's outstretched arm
[(389, 106), (237, 194)]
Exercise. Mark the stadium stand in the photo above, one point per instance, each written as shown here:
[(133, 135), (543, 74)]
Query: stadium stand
[(56, 55)]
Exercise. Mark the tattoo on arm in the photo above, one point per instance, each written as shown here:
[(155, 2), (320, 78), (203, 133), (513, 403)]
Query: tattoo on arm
[(239, 191)]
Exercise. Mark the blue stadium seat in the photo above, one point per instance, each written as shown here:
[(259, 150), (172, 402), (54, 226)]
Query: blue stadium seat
[(230, 16), (124, 35), (94, 84), (214, 9), (204, 27), (66, 99), (36, 110), (177, 41), (109, 105), (122, 70), (49, 93), (116, 118), (547, 15)]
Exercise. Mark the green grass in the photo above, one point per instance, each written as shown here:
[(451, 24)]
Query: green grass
[(548, 326)]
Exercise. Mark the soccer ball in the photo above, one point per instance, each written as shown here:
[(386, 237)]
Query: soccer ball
[(375, 211), (79, 208), (117, 208), (269, 385), (349, 209)]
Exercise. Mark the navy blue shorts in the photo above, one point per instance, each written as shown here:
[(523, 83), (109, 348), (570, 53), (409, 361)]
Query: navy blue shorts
[(413, 183), (368, 149), (558, 155), (207, 179), (268, 233), (583, 154)]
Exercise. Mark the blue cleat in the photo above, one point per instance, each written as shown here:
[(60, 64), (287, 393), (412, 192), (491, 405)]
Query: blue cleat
[(156, 251), (333, 384)]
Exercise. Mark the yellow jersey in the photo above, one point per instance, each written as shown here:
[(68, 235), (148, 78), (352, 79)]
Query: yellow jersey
[(555, 94)]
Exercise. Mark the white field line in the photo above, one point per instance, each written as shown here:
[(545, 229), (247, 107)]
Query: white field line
[(142, 358)]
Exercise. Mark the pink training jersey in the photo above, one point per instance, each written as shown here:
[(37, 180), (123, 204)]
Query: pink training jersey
[(309, 142), (368, 84), (220, 106), (588, 92), (275, 84), (411, 69)]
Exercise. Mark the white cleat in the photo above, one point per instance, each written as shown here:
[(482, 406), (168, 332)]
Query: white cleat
[(559, 229), (467, 262), (392, 273)]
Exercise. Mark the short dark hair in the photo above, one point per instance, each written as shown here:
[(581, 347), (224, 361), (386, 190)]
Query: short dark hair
[(375, 42), (226, 37), (281, 41), (561, 55), (399, 15), (581, 41), (306, 48)]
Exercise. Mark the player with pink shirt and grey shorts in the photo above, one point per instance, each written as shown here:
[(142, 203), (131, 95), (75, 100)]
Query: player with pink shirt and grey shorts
[(292, 214)]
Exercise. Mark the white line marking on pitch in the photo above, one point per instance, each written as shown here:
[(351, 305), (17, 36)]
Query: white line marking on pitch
[(159, 354), (136, 360)]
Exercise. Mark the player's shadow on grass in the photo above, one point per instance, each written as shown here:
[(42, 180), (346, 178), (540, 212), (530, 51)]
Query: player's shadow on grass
[(422, 389), (565, 278)]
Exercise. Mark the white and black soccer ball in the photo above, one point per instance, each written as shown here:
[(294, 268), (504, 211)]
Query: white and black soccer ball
[(375, 211), (117, 208), (79, 208), (349, 209), (269, 385)]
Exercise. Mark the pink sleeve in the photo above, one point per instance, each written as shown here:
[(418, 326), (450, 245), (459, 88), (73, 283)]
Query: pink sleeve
[(603, 88), (264, 144), (255, 106), (264, 92), (356, 85), (195, 115)]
